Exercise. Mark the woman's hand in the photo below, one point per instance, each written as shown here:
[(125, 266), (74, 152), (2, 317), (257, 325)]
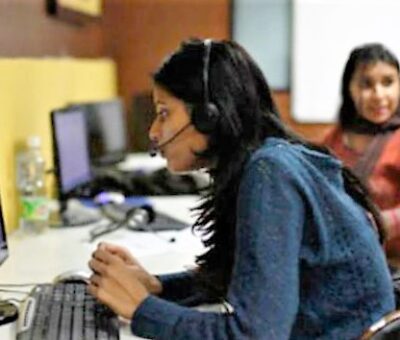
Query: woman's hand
[(119, 281), (122, 252), (152, 284), (116, 296)]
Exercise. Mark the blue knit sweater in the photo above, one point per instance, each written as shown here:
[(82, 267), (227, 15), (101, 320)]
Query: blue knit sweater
[(308, 264)]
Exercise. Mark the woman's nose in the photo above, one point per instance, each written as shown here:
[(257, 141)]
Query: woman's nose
[(379, 91), (154, 131)]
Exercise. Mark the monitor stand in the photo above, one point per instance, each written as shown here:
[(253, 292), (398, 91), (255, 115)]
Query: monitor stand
[(8, 320), (74, 213)]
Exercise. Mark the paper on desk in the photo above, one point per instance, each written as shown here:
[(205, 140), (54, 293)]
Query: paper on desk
[(155, 251), (143, 244)]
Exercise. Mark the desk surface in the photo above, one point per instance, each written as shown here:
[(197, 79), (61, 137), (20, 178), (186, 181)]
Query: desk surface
[(39, 258)]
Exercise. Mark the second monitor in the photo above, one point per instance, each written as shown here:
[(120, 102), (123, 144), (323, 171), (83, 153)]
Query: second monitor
[(106, 127)]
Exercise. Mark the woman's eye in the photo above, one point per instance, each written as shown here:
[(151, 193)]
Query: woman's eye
[(387, 81), (365, 83), (162, 114)]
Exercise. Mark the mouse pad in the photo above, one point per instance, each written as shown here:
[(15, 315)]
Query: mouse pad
[(164, 222)]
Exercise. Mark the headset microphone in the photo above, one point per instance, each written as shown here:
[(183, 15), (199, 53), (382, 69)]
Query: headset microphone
[(153, 150), (155, 146)]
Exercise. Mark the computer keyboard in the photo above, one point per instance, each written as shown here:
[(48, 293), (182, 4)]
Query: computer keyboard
[(65, 311)]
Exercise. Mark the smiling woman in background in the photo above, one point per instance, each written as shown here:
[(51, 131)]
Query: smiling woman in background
[(367, 136), (290, 244)]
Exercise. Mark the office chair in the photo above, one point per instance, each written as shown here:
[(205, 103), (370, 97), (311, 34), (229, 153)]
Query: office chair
[(386, 328)]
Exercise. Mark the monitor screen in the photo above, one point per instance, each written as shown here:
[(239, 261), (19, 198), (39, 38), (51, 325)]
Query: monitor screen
[(107, 131), (71, 151), (3, 239)]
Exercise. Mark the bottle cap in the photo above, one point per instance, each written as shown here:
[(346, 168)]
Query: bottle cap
[(34, 141)]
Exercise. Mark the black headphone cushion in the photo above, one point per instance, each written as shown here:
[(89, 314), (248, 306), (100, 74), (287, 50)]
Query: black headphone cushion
[(205, 117)]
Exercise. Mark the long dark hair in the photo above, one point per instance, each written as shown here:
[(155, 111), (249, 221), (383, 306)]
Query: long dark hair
[(247, 115), (349, 118)]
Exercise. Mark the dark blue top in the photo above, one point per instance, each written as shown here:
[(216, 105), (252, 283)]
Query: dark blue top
[(308, 264)]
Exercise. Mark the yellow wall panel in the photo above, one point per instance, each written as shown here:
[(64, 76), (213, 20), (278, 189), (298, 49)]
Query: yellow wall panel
[(90, 7), (8, 84), (29, 90)]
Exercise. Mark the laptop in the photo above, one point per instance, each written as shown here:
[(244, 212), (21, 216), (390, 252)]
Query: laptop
[(8, 311)]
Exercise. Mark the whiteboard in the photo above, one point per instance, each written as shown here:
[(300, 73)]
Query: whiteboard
[(324, 33)]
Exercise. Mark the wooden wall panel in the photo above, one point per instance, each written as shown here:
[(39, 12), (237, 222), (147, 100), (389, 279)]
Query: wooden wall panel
[(26, 31), (140, 33)]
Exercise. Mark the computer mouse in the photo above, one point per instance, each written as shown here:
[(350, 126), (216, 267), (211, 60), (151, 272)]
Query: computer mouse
[(107, 197), (70, 276)]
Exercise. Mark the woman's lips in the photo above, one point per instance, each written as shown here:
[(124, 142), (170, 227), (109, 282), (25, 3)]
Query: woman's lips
[(379, 111)]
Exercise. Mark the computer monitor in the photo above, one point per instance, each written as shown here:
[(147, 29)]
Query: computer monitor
[(106, 129), (3, 238), (74, 175), (71, 150)]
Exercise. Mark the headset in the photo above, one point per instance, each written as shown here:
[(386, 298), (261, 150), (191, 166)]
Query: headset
[(205, 115)]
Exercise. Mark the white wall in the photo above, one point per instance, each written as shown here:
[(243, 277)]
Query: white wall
[(324, 33), (263, 27)]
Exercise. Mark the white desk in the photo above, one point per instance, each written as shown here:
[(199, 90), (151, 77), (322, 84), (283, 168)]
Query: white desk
[(39, 258)]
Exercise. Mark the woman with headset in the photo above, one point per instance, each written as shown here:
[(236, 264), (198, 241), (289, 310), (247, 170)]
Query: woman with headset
[(292, 238)]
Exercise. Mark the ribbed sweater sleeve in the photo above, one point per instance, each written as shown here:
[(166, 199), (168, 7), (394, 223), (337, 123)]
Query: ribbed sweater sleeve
[(180, 288)]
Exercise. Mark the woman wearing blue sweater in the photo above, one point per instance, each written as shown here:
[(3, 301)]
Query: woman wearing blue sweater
[(292, 237)]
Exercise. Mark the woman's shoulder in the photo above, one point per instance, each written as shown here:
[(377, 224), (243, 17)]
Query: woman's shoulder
[(391, 152), (282, 150), (395, 138), (291, 157), (273, 150)]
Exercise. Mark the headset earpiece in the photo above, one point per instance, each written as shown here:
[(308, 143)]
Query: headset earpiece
[(205, 115)]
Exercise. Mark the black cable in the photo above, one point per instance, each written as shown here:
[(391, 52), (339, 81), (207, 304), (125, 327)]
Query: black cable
[(147, 214), (109, 228)]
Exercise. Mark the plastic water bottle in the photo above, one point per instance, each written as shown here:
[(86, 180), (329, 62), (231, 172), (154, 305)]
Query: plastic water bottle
[(34, 216)]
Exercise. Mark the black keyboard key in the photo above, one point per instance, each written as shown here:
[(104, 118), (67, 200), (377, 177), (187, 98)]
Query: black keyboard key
[(67, 311), (66, 316)]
